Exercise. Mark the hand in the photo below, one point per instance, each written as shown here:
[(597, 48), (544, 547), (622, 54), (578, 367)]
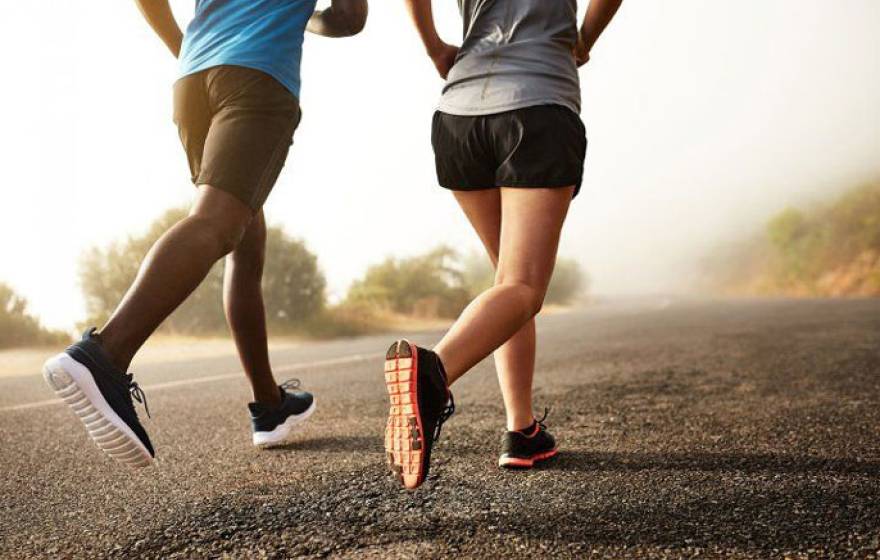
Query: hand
[(581, 51), (444, 59)]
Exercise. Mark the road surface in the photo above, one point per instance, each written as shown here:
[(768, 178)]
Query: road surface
[(742, 429)]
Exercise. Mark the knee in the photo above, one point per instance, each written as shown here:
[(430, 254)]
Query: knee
[(220, 236), (530, 297), (250, 253)]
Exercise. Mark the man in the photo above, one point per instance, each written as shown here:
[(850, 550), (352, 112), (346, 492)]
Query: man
[(236, 106)]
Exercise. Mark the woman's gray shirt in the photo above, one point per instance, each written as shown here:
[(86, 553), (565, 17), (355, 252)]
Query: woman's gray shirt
[(515, 54)]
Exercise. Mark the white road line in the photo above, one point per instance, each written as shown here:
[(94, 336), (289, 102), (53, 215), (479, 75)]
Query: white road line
[(237, 375)]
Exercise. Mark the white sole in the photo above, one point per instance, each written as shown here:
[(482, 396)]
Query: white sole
[(280, 434), (74, 384)]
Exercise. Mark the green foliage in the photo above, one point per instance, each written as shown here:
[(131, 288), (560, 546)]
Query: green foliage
[(293, 284), (807, 245), (441, 283), (425, 285), (17, 327), (829, 249)]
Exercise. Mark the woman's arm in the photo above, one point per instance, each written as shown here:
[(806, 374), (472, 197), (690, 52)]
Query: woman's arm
[(442, 54), (343, 18), (599, 15), (158, 14)]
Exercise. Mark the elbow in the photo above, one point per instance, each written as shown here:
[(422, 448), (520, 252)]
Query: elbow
[(355, 20)]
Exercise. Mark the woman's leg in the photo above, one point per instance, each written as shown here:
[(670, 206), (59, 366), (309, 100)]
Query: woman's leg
[(515, 359), (531, 222)]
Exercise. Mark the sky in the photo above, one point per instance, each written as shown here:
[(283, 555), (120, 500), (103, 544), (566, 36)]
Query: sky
[(703, 118)]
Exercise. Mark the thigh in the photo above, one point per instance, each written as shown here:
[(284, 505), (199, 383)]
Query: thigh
[(531, 223), (193, 119), (254, 118), (483, 210)]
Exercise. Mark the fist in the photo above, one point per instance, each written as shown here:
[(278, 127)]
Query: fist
[(581, 51), (444, 59)]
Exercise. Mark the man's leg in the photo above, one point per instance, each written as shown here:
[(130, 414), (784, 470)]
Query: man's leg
[(246, 312), (515, 359), (175, 266)]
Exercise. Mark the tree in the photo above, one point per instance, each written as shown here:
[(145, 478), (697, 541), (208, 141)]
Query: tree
[(430, 285), (293, 285), (17, 327), (292, 282)]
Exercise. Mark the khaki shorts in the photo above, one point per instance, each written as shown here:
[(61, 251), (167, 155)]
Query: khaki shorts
[(236, 125)]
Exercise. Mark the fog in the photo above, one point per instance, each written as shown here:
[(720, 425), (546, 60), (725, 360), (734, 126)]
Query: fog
[(704, 118)]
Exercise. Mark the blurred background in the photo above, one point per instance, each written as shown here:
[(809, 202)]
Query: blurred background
[(734, 150)]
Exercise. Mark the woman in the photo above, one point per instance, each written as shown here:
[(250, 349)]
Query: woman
[(510, 145)]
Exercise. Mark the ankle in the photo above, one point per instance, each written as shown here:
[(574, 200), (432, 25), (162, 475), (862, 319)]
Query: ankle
[(441, 362), (119, 359), (268, 397), (521, 424)]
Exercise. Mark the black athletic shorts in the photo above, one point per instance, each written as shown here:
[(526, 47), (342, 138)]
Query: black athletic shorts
[(236, 125), (538, 147)]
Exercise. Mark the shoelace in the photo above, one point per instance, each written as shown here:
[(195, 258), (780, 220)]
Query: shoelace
[(137, 393), (540, 421), (444, 416), (292, 383)]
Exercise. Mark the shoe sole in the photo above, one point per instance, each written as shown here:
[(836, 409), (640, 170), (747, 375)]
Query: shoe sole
[(284, 430), (404, 441), (526, 462), (74, 384)]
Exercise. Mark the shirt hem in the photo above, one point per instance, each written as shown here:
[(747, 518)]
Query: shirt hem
[(293, 89), (495, 109)]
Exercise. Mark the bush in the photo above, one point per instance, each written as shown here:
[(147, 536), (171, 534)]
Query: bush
[(429, 285), (830, 249), (441, 283), (17, 327), (293, 284)]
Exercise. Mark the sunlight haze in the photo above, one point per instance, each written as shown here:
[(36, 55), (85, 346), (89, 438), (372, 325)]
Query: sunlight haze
[(703, 119)]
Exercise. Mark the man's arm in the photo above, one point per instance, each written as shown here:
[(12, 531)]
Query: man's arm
[(158, 14), (442, 54), (343, 18), (599, 15)]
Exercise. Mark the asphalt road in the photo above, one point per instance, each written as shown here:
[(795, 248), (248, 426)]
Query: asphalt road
[(687, 429)]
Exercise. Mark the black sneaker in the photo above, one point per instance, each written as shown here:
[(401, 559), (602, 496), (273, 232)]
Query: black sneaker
[(273, 426), (101, 396), (523, 448), (420, 404)]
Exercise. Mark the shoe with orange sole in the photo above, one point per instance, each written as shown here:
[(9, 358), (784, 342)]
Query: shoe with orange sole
[(420, 402), (523, 449)]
